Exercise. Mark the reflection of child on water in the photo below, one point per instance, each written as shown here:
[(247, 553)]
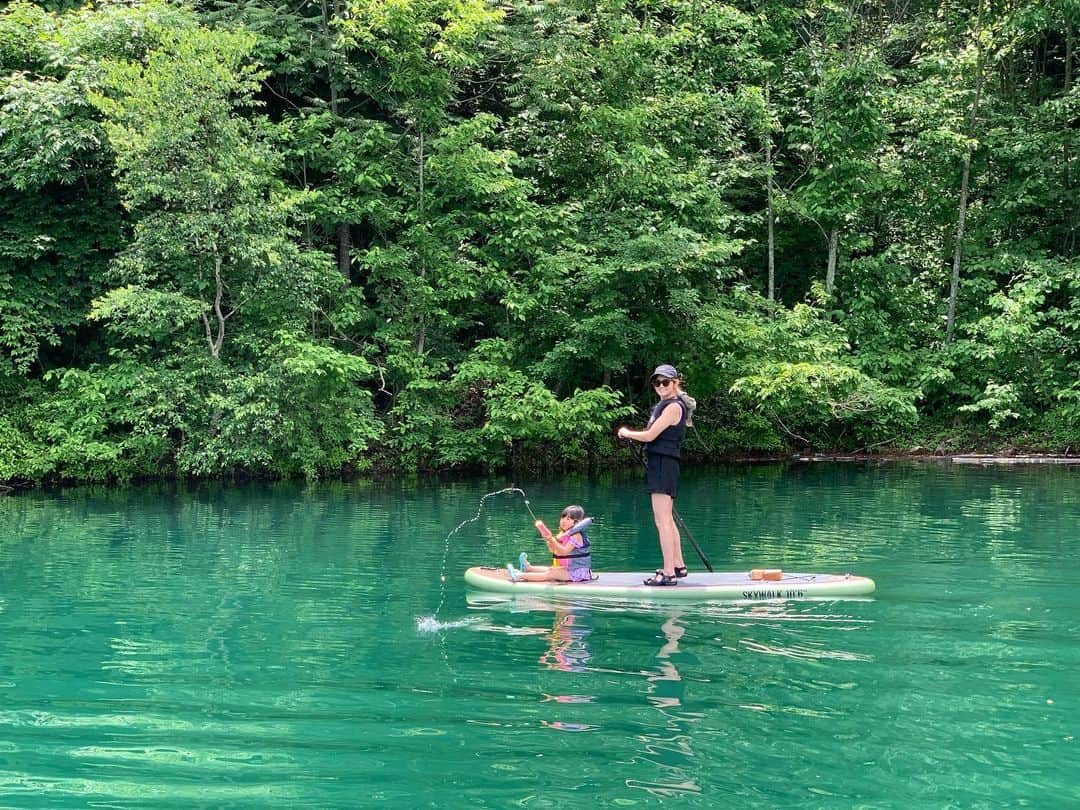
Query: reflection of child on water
[(572, 558), (567, 650)]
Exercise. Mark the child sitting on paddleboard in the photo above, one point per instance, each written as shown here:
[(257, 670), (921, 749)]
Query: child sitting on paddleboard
[(572, 558)]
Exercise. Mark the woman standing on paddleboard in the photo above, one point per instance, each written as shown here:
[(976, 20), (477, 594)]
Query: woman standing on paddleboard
[(663, 437)]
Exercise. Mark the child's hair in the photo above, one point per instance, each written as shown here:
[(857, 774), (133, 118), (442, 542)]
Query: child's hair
[(574, 512)]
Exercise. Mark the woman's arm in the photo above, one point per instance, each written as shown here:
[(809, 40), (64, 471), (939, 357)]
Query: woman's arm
[(668, 417)]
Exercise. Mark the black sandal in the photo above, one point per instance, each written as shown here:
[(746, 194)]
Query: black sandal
[(660, 578), (681, 572)]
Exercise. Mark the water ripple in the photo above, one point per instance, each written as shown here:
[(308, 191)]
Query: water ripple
[(231, 646)]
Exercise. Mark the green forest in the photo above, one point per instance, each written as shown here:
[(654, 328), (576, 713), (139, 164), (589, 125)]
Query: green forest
[(349, 237)]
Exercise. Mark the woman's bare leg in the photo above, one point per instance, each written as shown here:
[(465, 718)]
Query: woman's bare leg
[(670, 547), (679, 561)]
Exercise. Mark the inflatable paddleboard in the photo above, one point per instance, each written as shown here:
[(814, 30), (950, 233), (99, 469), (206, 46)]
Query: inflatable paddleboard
[(697, 587)]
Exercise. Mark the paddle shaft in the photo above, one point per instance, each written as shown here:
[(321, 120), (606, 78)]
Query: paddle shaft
[(674, 513)]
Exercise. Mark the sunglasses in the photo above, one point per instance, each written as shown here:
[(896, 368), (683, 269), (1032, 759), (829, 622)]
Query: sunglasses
[(662, 383)]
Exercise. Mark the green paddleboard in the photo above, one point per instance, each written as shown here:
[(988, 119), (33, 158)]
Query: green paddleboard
[(720, 586)]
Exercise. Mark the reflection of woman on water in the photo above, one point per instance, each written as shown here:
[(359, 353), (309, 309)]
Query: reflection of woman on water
[(567, 650), (669, 745), (666, 687)]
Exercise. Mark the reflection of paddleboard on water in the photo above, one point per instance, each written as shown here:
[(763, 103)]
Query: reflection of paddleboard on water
[(697, 587)]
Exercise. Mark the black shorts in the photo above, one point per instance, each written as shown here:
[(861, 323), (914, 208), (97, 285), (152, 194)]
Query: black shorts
[(662, 474)]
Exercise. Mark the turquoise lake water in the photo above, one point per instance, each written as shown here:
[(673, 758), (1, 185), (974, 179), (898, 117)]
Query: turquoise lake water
[(298, 646)]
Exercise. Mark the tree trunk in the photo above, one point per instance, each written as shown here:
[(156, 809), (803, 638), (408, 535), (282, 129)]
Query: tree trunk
[(772, 220), (215, 341), (421, 331), (344, 240), (1069, 44), (958, 250), (965, 178), (830, 272), (1066, 153), (344, 232)]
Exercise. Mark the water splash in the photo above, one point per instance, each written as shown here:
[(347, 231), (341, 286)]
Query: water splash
[(458, 528), (430, 624)]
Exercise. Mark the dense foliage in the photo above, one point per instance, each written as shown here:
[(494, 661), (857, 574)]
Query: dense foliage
[(307, 238)]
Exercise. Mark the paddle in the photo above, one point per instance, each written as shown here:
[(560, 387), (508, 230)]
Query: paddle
[(678, 518)]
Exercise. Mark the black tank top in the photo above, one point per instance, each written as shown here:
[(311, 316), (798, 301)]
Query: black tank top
[(668, 442)]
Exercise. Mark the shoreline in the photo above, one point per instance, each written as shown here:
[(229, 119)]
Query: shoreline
[(951, 458), (8, 487)]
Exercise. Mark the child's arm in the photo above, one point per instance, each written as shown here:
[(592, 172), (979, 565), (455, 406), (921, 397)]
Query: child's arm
[(556, 545)]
